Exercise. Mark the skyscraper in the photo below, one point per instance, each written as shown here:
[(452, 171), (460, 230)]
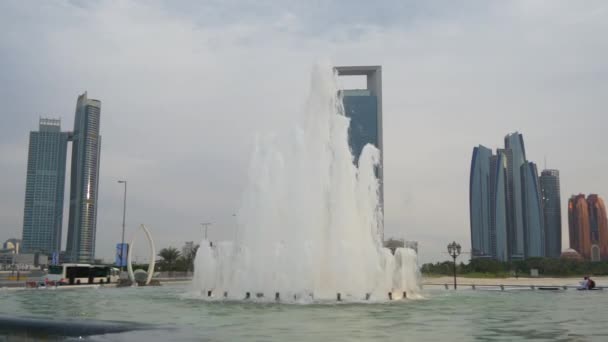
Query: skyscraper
[(598, 226), (578, 225), (498, 206), (534, 227), (505, 203), (516, 157), (44, 188), (479, 202), (86, 144), (550, 189), (364, 108), (487, 204)]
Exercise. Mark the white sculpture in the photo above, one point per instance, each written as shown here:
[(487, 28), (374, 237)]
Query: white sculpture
[(152, 255)]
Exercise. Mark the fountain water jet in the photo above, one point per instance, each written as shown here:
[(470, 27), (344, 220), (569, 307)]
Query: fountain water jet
[(309, 225)]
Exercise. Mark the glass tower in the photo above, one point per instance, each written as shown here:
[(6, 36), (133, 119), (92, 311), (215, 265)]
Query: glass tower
[(361, 107), (44, 188), (488, 204), (498, 206), (534, 226), (549, 186), (364, 108), (479, 202), (516, 157), (84, 181)]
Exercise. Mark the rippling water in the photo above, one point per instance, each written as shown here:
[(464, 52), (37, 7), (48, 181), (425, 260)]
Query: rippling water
[(465, 315)]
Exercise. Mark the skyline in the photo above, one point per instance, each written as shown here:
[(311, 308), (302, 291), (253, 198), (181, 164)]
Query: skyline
[(451, 81)]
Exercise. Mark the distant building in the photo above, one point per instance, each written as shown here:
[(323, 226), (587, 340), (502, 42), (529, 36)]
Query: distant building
[(498, 206), (84, 182), (411, 244), (534, 226), (479, 202), (188, 248), (571, 254), (516, 157), (487, 204), (44, 188), (393, 244), (364, 108), (506, 203), (578, 226), (598, 226), (550, 189), (12, 246)]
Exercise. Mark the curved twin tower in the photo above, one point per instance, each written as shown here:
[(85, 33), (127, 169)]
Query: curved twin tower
[(310, 224)]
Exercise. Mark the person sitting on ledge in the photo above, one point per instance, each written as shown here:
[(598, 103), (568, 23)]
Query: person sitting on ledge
[(587, 284)]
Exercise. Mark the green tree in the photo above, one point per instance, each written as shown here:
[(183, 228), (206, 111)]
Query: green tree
[(185, 262), (169, 257)]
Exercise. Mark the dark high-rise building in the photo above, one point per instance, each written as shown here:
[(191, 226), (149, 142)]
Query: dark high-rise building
[(534, 226), (516, 157), (598, 227), (487, 204), (364, 108), (550, 189), (44, 188), (505, 203), (86, 144), (498, 206), (479, 202), (578, 226)]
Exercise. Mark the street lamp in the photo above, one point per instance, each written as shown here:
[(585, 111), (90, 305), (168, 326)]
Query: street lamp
[(454, 251), (124, 213)]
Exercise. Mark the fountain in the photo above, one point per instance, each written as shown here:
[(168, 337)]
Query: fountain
[(309, 228)]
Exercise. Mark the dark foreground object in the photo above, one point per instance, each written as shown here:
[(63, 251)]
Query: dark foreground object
[(41, 327)]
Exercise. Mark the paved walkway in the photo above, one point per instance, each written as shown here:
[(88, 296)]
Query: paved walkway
[(537, 281)]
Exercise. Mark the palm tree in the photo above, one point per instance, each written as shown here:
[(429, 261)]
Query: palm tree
[(190, 259), (170, 256)]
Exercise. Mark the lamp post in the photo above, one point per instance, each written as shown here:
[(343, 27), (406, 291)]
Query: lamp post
[(124, 213), (454, 251)]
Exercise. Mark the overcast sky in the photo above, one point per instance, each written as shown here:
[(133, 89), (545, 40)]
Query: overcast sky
[(185, 86)]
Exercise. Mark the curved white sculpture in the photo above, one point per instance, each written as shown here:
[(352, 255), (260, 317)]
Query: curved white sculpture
[(152, 255)]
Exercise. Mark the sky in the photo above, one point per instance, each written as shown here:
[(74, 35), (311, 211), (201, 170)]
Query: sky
[(185, 87)]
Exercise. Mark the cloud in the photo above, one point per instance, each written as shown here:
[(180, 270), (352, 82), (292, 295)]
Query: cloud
[(184, 89)]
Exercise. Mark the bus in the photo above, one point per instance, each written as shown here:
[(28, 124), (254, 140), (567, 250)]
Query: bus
[(76, 274)]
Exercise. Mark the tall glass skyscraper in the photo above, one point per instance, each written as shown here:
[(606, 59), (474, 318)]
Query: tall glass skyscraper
[(44, 188), (364, 108), (550, 189), (487, 204), (86, 144), (505, 203), (361, 107), (479, 202), (498, 206), (516, 156), (533, 213)]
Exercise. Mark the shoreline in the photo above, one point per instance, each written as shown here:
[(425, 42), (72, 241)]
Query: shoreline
[(537, 281), (21, 285)]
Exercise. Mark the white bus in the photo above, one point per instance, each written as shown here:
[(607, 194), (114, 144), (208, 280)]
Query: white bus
[(76, 274)]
